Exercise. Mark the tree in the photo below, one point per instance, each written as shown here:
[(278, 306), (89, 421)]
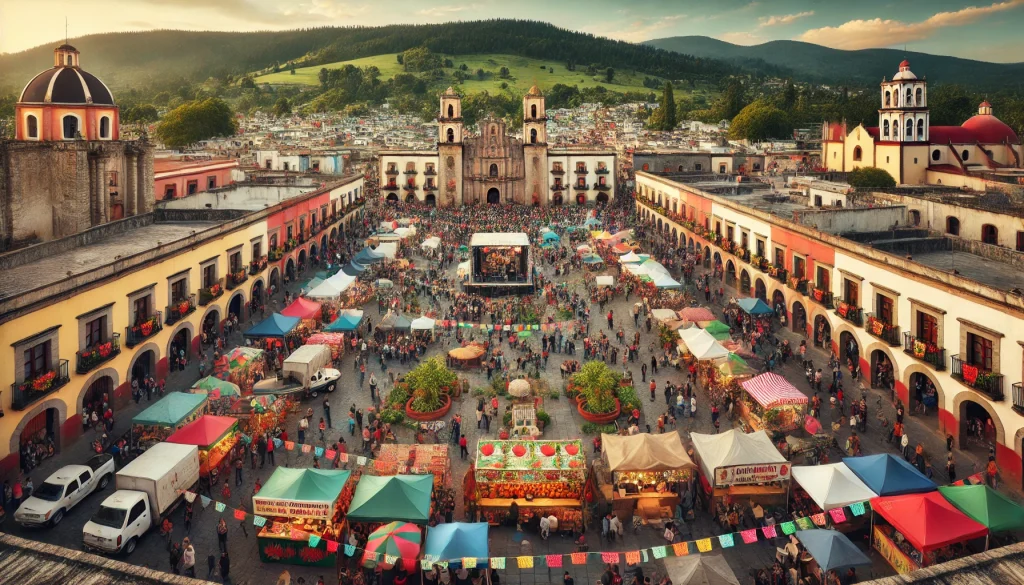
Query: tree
[(247, 83), (609, 75), (283, 107), (140, 114), (420, 59), (448, 64), (196, 120), (789, 96), (760, 121), (481, 74), (401, 58), (732, 101), (503, 72), (427, 382), (667, 108), (870, 178)]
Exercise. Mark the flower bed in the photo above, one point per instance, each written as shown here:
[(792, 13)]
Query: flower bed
[(426, 416), (600, 419)]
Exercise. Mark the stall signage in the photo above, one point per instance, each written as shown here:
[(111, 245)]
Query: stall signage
[(895, 557), (760, 473), (292, 509)]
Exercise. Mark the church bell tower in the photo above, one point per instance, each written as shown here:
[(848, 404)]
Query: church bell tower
[(449, 149), (535, 148)]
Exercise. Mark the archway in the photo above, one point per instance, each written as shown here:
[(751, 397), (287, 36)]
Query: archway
[(410, 198), (236, 305), (275, 278), (730, 273), (925, 396), (211, 324), (256, 294), (978, 430), (312, 253), (323, 244), (38, 427), (799, 318), (707, 257), (822, 332), (302, 260), (289, 270), (97, 396), (883, 374), (602, 198), (181, 341), (334, 234), (556, 199), (493, 196), (849, 349), (760, 290), (779, 303), (581, 199), (392, 198), (717, 261), (430, 199), (744, 282), (143, 366)]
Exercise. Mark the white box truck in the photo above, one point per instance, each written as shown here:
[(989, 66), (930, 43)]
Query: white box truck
[(148, 489), (305, 370)]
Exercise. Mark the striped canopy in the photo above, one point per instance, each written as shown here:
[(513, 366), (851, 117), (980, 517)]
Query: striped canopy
[(771, 390)]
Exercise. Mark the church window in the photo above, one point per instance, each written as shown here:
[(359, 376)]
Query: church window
[(989, 234), (69, 60), (895, 130), (920, 129), (494, 130), (104, 127), (919, 97), (451, 135), (698, 167), (910, 130), (32, 124), (910, 98), (965, 154), (952, 226), (885, 128), (533, 136), (936, 154), (451, 111), (888, 98), (494, 170), (70, 127), (533, 111), (857, 153)]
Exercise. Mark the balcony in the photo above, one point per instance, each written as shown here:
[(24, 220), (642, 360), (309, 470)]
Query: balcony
[(557, 172), (759, 262), (276, 254), (411, 172), (974, 377), (236, 278), (430, 172), (98, 353), (258, 265), (558, 187), (823, 297), (924, 351), (29, 391), (779, 274), (290, 244), (887, 332), (582, 170), (581, 187), (850, 312), (409, 188), (391, 185), (143, 329), (602, 186), (211, 293), (798, 284), (391, 172), (179, 310), (742, 253), (1018, 397), (601, 171)]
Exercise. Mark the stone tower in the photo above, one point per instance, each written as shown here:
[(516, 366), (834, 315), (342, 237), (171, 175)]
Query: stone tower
[(449, 149), (535, 148)]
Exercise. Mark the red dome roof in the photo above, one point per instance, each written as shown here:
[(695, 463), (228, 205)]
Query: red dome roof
[(990, 130), (985, 104), (904, 63)]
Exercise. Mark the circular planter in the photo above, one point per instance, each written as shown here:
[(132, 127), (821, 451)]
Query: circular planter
[(425, 416), (601, 419)]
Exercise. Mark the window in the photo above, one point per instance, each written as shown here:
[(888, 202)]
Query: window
[(965, 155), (70, 124), (141, 306), (909, 98), (170, 191), (273, 241), (581, 167), (290, 232), (493, 170), (451, 111), (211, 182), (1020, 241), (909, 135), (698, 167), (989, 234), (32, 124), (236, 261), (799, 266), (179, 290), (885, 128), (927, 328), (888, 98), (137, 510), (286, 166), (95, 331), (72, 488), (430, 167), (979, 351), (952, 226), (533, 135), (851, 292), (556, 166), (729, 232), (759, 245), (84, 477), (533, 111), (780, 258), (857, 153), (920, 129), (104, 127), (823, 279), (884, 308), (257, 250), (451, 135), (919, 97), (112, 179), (915, 217), (721, 169), (37, 359), (936, 154), (209, 275), (192, 187)]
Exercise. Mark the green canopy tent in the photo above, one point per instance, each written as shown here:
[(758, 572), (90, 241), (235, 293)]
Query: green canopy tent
[(216, 388), (396, 497), (300, 493), (718, 330), (985, 506), (171, 410)]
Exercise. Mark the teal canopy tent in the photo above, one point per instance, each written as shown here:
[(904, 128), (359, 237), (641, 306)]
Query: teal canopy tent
[(396, 497)]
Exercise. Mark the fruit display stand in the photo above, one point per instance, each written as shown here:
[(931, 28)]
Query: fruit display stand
[(296, 504), (415, 460), (539, 476), (214, 435)]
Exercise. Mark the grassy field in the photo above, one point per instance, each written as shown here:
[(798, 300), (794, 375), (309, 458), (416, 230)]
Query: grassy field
[(524, 72)]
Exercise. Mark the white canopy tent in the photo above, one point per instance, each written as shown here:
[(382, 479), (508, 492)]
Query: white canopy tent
[(833, 485), (389, 249), (422, 324), (733, 447), (630, 257), (663, 315), (431, 242), (405, 232), (332, 287), (605, 280), (663, 280), (701, 344)]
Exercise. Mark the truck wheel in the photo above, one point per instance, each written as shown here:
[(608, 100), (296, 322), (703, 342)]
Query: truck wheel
[(57, 517), (129, 548), (330, 388), (104, 481), (313, 393)]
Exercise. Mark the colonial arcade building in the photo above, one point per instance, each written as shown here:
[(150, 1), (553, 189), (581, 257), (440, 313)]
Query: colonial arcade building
[(495, 167), (938, 323)]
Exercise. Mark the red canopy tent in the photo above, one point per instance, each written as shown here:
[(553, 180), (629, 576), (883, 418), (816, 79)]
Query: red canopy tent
[(771, 390), (204, 431), (303, 309), (927, 520)]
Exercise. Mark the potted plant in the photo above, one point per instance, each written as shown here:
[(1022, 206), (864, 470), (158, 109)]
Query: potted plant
[(596, 401), (429, 382)]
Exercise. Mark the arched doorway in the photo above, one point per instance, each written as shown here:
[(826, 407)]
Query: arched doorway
[(707, 257), (410, 198), (275, 278), (493, 196), (779, 303), (730, 273), (882, 373), (211, 324), (144, 366), (97, 395), (799, 318), (235, 306), (581, 199), (323, 244), (430, 199), (822, 332), (289, 270), (602, 198), (179, 347), (556, 199), (37, 432), (302, 260), (744, 282), (312, 253), (392, 198), (849, 350), (760, 291), (924, 398), (256, 295), (978, 433), (717, 262)]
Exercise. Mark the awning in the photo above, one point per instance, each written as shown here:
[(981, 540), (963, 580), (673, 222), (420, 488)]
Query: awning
[(888, 475), (395, 497), (216, 388), (551, 237), (663, 280), (701, 344), (204, 431), (733, 447), (754, 306), (170, 410), (276, 325), (663, 315), (631, 257), (456, 541), (422, 324), (605, 280), (700, 570), (300, 493), (645, 452), (832, 485), (927, 521), (463, 268), (431, 242), (353, 269), (696, 314), (470, 352), (718, 330), (348, 320), (388, 249), (368, 256), (771, 390), (394, 321), (985, 506), (832, 550), (302, 308)]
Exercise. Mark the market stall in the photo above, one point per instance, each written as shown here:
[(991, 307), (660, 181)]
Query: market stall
[(742, 467), (298, 503), (701, 345), (348, 320), (986, 506), (646, 470), (455, 541), (469, 356), (917, 530), (240, 366), (165, 416), (335, 341), (265, 414), (391, 544), (539, 476), (771, 403), (395, 497), (395, 459), (276, 326), (214, 435), (215, 388), (832, 485), (333, 287), (831, 551), (304, 309), (888, 475)]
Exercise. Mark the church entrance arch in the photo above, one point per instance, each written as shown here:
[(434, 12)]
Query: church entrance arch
[(392, 197), (493, 196), (430, 199), (744, 283), (602, 198), (799, 318), (760, 291)]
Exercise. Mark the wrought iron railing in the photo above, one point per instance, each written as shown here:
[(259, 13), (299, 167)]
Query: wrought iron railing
[(180, 309), (144, 329), (48, 382), (972, 376), (887, 332), (851, 313), (97, 353), (924, 350)]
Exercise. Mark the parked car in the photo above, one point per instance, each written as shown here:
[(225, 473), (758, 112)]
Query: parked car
[(63, 490)]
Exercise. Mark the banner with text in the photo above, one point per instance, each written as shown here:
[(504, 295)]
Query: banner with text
[(746, 474), (292, 508)]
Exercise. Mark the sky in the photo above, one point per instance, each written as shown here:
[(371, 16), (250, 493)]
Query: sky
[(985, 30)]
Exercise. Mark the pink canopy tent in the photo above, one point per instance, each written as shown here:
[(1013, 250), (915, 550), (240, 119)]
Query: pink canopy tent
[(772, 390), (696, 314), (303, 309)]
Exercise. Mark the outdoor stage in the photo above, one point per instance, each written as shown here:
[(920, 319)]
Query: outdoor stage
[(500, 265)]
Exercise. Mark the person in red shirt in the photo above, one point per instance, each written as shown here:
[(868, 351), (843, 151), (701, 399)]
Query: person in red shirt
[(653, 388), (463, 451)]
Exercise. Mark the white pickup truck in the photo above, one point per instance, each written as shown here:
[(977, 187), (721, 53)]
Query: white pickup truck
[(63, 490)]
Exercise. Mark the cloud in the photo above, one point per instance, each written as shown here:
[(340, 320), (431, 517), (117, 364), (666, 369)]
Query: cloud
[(784, 18), (641, 29), (446, 10), (864, 34), (741, 38)]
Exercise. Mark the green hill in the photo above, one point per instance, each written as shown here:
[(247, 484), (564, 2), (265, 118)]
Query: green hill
[(865, 67), (523, 73)]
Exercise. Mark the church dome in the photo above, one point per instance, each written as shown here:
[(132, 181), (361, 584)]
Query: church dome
[(988, 129), (66, 83), (904, 74)]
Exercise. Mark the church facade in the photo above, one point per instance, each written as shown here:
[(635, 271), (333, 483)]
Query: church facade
[(494, 167), (67, 169), (916, 153)]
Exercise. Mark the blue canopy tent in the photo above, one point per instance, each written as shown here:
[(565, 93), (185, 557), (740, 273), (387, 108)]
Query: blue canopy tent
[(887, 475), (832, 550), (348, 320), (457, 540), (591, 221), (368, 256), (754, 306), (551, 237), (353, 269), (592, 259), (276, 325)]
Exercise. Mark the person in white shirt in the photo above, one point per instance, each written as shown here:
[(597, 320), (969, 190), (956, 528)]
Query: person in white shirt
[(693, 405), (545, 528), (553, 524), (615, 527)]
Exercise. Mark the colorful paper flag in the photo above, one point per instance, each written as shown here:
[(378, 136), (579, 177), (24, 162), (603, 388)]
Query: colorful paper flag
[(610, 557), (857, 508), (838, 515), (578, 558), (390, 559), (361, 460), (554, 561), (524, 562), (819, 519), (681, 549), (190, 497), (497, 562), (749, 536), (205, 501), (644, 553), (314, 540), (726, 540), (330, 454), (296, 534), (332, 546), (660, 552), (704, 545), (343, 457), (632, 557), (424, 564), (259, 521), (804, 523), (289, 445), (769, 531), (350, 550), (239, 515), (278, 443), (788, 527), (307, 448), (220, 507), (318, 452), (469, 562)]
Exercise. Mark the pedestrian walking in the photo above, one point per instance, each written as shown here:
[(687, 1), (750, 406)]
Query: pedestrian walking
[(222, 535), (225, 566), (188, 558), (463, 451), (270, 450), (327, 412), (238, 472)]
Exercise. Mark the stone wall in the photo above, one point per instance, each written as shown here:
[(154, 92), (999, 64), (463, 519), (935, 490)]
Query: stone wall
[(48, 190), (83, 238), (997, 253), (847, 220)]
